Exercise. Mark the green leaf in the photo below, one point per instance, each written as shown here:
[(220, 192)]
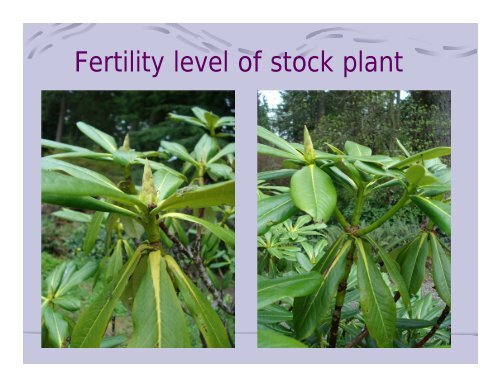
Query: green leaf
[(63, 146), (92, 232), (157, 314), (115, 262), (279, 142), (272, 290), (309, 311), (413, 263), (205, 317), (355, 149), (274, 314), (424, 155), (394, 272), (206, 196), (205, 148), (312, 191), (56, 325), (166, 183), (54, 164), (113, 341), (274, 152), (220, 171), (439, 212), (132, 227), (275, 174), (92, 323), (441, 270), (72, 215), (179, 151), (86, 203), (187, 119), (228, 149), (224, 234), (77, 278), (106, 141), (377, 305), (274, 210), (414, 174), (57, 184), (125, 157), (271, 339), (401, 146), (69, 303)]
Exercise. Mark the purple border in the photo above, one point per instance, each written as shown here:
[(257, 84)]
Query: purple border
[(436, 56)]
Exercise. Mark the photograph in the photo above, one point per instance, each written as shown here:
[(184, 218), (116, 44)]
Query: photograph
[(138, 216), (354, 219)]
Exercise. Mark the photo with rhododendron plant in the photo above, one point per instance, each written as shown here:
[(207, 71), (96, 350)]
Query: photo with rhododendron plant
[(354, 219), (138, 219)]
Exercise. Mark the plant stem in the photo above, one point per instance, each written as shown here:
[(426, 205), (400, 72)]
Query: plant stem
[(386, 216), (341, 219), (339, 301), (360, 198), (434, 328)]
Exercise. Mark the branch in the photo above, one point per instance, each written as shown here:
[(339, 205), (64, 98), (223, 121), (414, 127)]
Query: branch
[(196, 259), (434, 328)]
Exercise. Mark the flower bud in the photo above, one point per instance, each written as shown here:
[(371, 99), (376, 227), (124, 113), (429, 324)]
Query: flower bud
[(309, 153), (148, 192)]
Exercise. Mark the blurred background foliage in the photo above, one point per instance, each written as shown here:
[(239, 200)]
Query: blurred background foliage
[(143, 114)]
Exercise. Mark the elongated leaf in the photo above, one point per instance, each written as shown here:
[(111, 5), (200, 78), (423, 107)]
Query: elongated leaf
[(86, 203), (224, 234), (57, 326), (438, 211), (220, 171), (179, 151), (274, 210), (275, 152), (106, 141), (355, 149), (424, 155), (414, 174), (57, 184), (279, 142), (54, 164), (187, 119), (92, 232), (63, 146), (271, 339), (309, 311), (413, 263), (228, 149), (394, 272), (55, 277), (113, 341), (125, 157), (115, 262), (206, 196), (92, 323), (274, 314), (441, 270), (72, 215), (166, 183), (312, 191), (205, 317), (205, 148), (272, 290), (157, 314), (377, 305), (275, 174), (69, 303), (77, 277), (414, 324)]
